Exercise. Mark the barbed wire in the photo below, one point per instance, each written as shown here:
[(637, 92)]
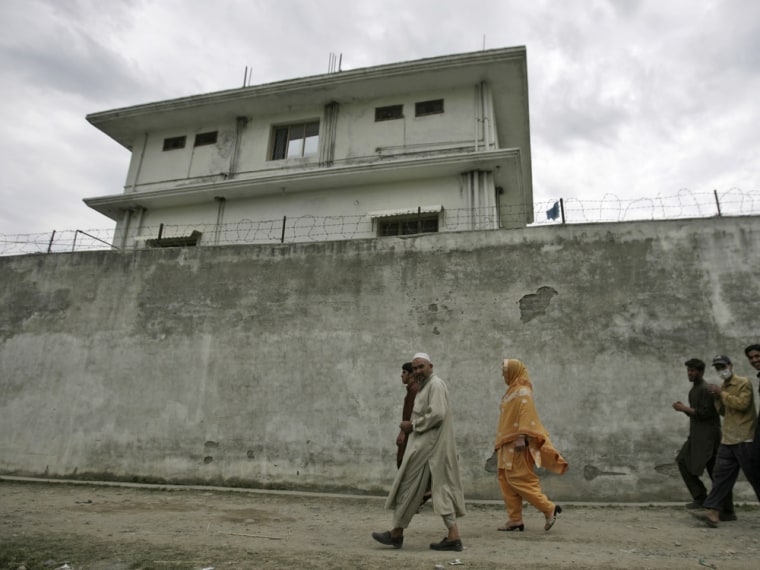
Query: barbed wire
[(684, 204), (311, 228)]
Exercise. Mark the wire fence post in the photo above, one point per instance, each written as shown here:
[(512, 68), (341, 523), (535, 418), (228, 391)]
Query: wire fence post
[(50, 244), (93, 237), (562, 209), (282, 235), (717, 202)]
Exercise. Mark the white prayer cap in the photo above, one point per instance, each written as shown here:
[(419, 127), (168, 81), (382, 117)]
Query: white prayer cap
[(422, 355)]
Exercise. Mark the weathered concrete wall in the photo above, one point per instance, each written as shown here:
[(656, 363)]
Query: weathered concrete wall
[(279, 365)]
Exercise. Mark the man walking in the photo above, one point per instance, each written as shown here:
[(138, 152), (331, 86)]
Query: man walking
[(407, 379), (430, 459), (698, 452), (735, 401), (752, 352)]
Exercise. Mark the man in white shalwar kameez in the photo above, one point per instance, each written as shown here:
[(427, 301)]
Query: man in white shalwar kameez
[(430, 459)]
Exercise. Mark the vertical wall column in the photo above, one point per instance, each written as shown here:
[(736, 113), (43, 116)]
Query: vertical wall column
[(129, 227), (486, 137), (136, 179), (327, 132), (221, 202), (480, 200), (489, 120), (139, 213), (240, 125), (122, 229)]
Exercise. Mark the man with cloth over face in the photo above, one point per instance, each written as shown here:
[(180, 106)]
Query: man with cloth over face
[(700, 448), (735, 401), (430, 459)]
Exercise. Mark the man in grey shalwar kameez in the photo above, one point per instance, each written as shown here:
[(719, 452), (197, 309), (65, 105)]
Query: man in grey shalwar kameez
[(431, 457)]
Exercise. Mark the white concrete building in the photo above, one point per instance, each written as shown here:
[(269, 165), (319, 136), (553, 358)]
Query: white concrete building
[(437, 144)]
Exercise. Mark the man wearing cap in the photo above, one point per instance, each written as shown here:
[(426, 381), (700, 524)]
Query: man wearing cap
[(702, 444), (735, 401), (430, 460)]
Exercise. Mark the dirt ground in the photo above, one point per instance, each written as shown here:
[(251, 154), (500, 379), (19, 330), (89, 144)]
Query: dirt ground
[(50, 525)]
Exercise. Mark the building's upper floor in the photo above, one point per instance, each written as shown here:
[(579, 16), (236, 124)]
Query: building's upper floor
[(413, 120)]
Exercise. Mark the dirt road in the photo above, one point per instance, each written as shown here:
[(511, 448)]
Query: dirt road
[(109, 527)]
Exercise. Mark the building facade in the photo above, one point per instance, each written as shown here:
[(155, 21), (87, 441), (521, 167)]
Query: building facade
[(438, 144)]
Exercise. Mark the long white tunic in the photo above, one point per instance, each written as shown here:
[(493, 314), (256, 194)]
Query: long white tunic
[(431, 444)]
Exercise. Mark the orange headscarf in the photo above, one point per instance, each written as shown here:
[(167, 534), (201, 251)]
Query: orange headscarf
[(520, 417)]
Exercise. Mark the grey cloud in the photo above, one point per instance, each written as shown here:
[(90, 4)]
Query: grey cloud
[(67, 48), (667, 86), (626, 8), (77, 65), (564, 122)]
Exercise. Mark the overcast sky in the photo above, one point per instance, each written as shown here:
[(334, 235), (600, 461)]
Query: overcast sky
[(628, 98)]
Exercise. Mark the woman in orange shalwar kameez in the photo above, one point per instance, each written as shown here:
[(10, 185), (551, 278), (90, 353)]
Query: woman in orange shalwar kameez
[(521, 444)]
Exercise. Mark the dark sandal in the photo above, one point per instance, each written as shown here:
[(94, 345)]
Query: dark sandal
[(510, 528), (550, 523)]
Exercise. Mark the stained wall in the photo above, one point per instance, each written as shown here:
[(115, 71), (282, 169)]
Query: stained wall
[(278, 366)]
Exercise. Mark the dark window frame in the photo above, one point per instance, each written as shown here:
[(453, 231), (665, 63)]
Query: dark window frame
[(202, 139), (389, 113), (179, 241), (408, 225), (431, 107), (282, 135), (175, 143)]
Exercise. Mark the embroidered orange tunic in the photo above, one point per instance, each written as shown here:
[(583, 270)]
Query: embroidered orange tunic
[(519, 417)]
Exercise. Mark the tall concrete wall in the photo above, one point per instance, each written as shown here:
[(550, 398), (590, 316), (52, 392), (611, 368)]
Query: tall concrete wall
[(279, 365)]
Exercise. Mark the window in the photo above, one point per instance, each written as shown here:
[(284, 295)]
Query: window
[(388, 113), (174, 143), (292, 141), (408, 225), (205, 138), (180, 241), (428, 108)]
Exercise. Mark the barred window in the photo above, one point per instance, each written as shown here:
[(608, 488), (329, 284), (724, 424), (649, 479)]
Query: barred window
[(389, 113), (296, 140), (174, 143), (408, 225), (423, 108), (205, 138)]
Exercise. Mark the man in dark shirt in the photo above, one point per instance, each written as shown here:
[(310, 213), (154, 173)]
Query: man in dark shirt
[(702, 444), (735, 401), (752, 352), (412, 387)]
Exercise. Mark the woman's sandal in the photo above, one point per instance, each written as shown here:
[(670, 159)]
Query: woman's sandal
[(550, 522), (509, 528)]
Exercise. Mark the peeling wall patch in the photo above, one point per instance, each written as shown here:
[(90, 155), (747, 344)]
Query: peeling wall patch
[(535, 304)]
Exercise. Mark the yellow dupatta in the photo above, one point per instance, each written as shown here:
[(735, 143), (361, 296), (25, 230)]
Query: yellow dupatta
[(519, 417)]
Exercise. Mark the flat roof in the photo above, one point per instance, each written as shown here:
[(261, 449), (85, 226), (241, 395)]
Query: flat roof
[(505, 70)]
